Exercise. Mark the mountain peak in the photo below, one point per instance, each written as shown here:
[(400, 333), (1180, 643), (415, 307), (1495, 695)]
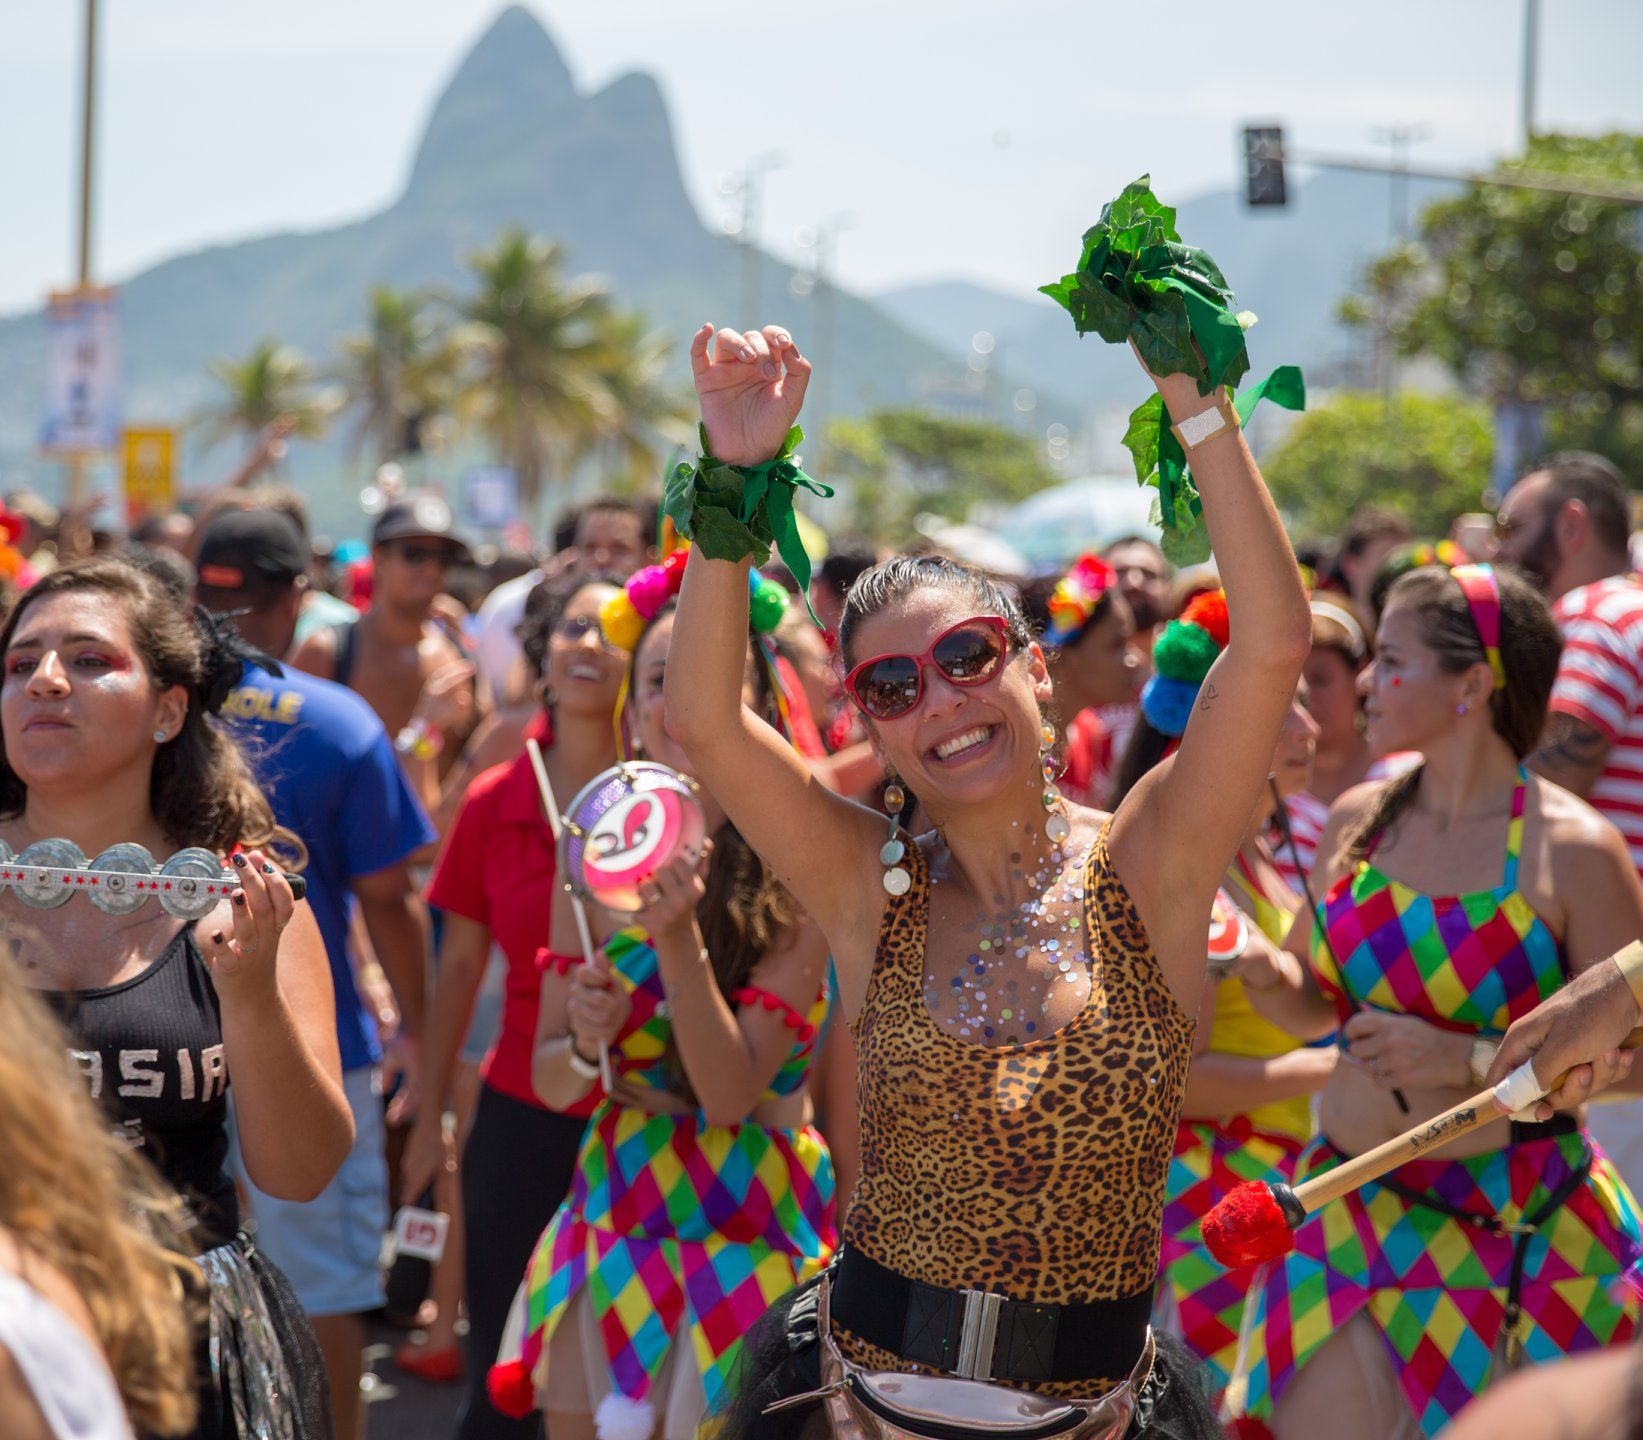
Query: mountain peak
[(512, 78)]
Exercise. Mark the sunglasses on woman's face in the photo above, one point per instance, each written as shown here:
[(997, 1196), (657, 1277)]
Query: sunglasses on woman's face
[(572, 628), (970, 653)]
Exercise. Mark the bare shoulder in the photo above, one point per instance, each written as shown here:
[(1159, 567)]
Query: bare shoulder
[(1353, 805), (317, 655), (1577, 833)]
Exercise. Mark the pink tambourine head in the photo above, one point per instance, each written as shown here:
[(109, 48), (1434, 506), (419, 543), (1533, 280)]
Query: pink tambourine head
[(630, 823)]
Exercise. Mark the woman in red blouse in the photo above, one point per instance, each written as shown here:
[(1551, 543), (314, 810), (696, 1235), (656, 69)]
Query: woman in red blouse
[(495, 881)]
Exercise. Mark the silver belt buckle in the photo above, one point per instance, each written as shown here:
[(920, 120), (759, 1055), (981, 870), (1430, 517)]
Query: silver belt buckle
[(978, 1336)]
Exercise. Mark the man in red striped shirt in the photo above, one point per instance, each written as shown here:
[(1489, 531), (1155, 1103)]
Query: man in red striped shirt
[(1567, 526)]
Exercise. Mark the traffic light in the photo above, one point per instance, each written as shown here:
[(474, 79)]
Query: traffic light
[(1264, 165)]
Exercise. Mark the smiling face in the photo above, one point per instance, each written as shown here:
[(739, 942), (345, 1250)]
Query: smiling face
[(78, 703), (960, 745), (583, 674)]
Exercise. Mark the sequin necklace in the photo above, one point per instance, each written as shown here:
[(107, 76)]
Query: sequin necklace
[(1023, 972)]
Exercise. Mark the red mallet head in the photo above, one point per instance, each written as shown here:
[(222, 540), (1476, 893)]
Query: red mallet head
[(511, 1388), (1252, 1224)]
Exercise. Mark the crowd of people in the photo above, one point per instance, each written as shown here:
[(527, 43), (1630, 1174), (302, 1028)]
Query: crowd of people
[(1035, 914)]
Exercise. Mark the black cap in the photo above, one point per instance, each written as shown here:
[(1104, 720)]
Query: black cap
[(422, 515), (241, 547)]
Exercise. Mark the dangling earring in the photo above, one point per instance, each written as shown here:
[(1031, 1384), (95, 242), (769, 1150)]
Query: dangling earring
[(1057, 826), (897, 879)]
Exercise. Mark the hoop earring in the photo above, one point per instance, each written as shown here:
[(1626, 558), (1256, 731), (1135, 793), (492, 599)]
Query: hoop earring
[(1057, 826), (897, 879)]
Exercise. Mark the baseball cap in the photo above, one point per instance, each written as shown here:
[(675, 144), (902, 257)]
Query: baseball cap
[(420, 515), (241, 547)]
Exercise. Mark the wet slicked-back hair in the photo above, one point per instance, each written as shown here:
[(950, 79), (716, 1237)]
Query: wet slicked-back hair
[(882, 586)]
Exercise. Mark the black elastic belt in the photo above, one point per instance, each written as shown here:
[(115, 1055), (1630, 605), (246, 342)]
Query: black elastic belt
[(987, 1337)]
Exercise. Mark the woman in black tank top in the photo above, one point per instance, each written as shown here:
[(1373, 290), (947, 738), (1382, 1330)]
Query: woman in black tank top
[(106, 737)]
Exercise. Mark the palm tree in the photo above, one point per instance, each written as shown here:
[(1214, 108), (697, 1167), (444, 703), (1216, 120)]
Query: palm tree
[(531, 343), (273, 384), (397, 374), (651, 413)]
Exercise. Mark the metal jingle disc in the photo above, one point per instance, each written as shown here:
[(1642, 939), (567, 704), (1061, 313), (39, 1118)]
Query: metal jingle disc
[(116, 891), (192, 884), (7, 854), (47, 892)]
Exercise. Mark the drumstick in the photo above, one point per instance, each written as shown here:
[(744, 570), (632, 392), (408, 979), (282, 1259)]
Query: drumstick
[(1256, 1221), (551, 806)]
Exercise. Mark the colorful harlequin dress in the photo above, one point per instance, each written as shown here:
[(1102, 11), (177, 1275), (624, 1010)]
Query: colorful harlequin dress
[(1200, 1299), (1429, 1252), (677, 1230)]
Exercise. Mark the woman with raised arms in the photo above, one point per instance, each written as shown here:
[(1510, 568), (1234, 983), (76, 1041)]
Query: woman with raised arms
[(1021, 980)]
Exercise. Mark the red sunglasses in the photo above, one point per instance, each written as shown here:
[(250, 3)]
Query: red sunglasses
[(969, 653)]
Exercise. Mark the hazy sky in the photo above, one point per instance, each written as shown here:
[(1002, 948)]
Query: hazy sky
[(968, 137)]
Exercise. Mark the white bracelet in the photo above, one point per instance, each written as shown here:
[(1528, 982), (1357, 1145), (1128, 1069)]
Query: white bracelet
[(578, 1065)]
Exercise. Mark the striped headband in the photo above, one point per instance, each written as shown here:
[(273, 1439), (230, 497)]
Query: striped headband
[(1482, 591)]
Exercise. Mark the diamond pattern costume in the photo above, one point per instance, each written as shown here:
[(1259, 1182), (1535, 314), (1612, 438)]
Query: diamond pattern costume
[(677, 1230), (1436, 1284)]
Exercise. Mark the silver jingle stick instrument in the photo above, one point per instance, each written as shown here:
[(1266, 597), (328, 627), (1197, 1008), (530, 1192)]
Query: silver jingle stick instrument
[(191, 884)]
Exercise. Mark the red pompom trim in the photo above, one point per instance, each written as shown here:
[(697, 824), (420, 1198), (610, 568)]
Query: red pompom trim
[(749, 994), (1247, 1227), (547, 960), (675, 567), (1209, 612), (1247, 1427), (511, 1389)]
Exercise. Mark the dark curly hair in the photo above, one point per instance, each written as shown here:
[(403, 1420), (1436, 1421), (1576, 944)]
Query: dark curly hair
[(202, 791), (545, 608)]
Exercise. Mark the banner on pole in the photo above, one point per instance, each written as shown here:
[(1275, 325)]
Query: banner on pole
[(150, 470), (82, 372), (490, 497)]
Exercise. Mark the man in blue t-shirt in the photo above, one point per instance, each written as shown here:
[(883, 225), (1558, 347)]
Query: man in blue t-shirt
[(330, 772)]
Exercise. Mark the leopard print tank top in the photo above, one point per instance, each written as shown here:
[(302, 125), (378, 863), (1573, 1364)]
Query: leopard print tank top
[(1034, 1171)]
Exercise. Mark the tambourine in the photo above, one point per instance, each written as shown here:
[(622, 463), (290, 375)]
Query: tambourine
[(623, 826), (191, 884), (1228, 935)]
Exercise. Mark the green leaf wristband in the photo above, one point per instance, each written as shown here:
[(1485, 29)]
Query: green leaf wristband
[(737, 512), (1160, 461)]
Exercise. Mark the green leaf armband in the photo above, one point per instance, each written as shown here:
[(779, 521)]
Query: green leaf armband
[(1160, 461), (737, 512)]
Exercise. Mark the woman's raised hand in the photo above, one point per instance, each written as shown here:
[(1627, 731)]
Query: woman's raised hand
[(751, 386), (246, 952)]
